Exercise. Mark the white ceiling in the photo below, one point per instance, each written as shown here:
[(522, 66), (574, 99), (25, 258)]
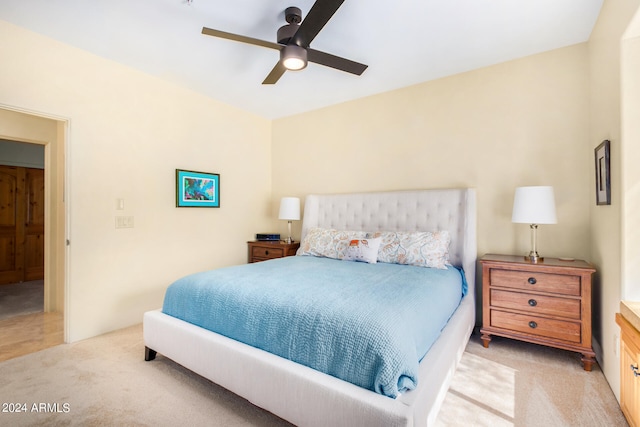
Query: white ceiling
[(404, 42)]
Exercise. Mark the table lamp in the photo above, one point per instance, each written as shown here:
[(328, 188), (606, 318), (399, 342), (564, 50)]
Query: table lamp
[(289, 211), (533, 206)]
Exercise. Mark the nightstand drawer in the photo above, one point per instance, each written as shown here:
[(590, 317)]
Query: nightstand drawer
[(534, 325), (536, 281), (262, 253), (536, 304)]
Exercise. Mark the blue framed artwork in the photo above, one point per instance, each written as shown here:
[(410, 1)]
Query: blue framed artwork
[(197, 189)]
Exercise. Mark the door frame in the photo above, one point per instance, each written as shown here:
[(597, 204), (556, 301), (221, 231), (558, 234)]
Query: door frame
[(27, 126)]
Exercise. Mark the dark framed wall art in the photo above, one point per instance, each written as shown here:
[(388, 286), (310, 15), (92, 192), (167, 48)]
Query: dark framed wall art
[(603, 173), (197, 189)]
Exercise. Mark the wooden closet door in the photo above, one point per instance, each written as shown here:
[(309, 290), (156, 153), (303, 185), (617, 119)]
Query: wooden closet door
[(12, 212), (34, 225)]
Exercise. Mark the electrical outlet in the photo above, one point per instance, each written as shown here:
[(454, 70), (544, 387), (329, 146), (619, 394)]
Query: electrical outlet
[(616, 345)]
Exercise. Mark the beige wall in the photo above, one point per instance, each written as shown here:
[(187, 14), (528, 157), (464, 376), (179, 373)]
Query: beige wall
[(606, 221), (33, 129), (630, 89), (128, 132), (524, 122)]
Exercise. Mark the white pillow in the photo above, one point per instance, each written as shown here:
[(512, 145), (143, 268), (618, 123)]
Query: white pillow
[(421, 248), (364, 250), (329, 243)]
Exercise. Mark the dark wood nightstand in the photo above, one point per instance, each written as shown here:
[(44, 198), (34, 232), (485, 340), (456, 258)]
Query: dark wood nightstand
[(547, 303), (264, 250)]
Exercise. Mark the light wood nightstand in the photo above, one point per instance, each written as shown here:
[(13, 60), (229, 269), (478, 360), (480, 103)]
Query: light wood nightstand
[(264, 250), (547, 303), (629, 371)]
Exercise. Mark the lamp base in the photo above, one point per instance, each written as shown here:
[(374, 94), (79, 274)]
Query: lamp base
[(289, 240), (534, 258)]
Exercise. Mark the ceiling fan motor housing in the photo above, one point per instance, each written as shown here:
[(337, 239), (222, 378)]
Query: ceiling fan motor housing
[(286, 32), (293, 15)]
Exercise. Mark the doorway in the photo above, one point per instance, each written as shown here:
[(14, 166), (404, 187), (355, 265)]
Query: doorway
[(33, 332)]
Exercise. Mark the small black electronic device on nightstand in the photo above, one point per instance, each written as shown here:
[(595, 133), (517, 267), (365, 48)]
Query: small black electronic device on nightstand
[(268, 237)]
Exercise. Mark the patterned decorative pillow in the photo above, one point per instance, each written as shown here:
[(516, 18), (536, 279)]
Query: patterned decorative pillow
[(421, 248), (365, 250), (329, 243)]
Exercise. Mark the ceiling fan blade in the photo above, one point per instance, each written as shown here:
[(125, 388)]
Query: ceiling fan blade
[(316, 19), (239, 38), (336, 62), (275, 74)]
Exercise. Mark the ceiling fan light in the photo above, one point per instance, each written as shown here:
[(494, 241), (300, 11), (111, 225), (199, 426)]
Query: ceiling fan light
[(293, 57)]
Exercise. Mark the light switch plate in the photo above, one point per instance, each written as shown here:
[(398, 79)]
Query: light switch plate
[(124, 222)]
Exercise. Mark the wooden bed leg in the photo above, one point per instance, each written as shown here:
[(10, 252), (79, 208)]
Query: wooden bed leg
[(149, 354)]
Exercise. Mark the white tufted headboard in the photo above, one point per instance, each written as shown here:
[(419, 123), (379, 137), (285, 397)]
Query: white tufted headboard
[(419, 210)]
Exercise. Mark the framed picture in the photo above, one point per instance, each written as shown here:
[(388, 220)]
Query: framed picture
[(603, 174), (197, 189)]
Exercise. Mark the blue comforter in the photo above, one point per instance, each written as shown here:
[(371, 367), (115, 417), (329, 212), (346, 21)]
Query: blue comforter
[(369, 324)]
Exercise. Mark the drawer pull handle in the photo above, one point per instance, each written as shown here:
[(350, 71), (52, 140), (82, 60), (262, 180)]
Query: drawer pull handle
[(635, 370), (533, 325), (266, 252), (532, 280), (533, 302)]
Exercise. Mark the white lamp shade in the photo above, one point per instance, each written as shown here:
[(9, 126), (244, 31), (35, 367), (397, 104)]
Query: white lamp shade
[(534, 205), (289, 209)]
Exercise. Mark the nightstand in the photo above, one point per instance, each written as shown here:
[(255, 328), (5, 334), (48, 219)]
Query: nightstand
[(264, 250), (547, 303), (629, 370)]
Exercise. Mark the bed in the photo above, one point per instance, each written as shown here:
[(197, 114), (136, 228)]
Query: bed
[(305, 396)]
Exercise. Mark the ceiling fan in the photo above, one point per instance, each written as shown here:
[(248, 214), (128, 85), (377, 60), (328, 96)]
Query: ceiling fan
[(294, 40)]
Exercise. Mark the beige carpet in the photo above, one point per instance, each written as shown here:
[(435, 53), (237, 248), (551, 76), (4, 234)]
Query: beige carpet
[(513, 383), (104, 381)]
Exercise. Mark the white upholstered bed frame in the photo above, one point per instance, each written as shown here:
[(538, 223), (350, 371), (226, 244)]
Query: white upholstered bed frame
[(304, 396)]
